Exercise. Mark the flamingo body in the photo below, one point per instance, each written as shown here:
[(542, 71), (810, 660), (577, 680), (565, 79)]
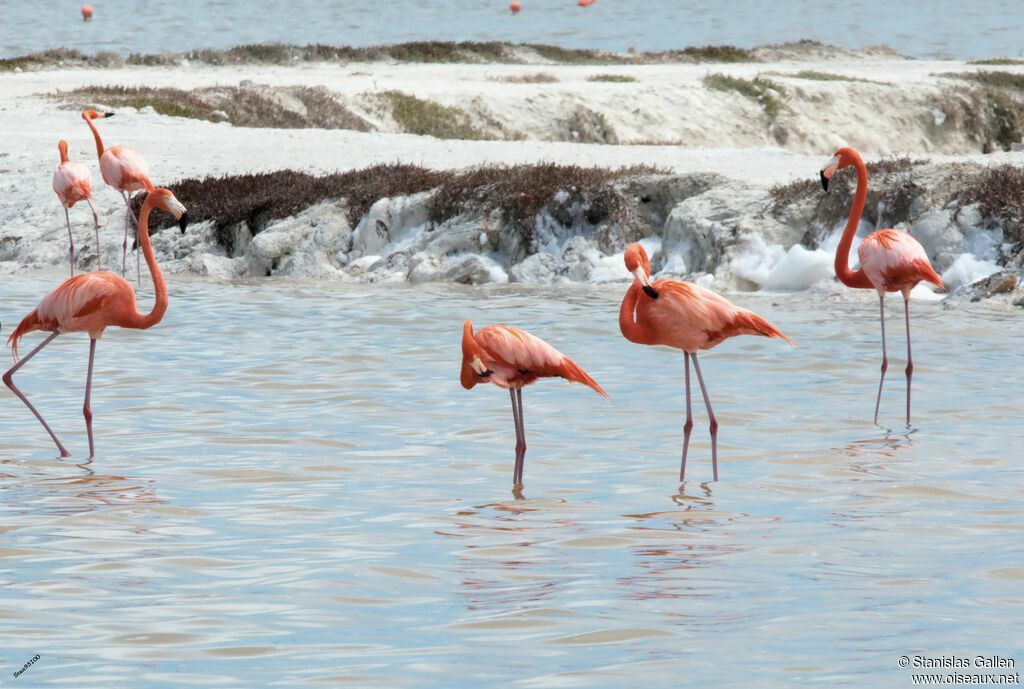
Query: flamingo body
[(894, 261), (86, 13), (515, 6), (124, 169), (72, 182)]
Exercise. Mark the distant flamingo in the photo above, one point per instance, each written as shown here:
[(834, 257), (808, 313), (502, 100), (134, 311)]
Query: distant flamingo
[(512, 358), (92, 302), (586, 3), (86, 13), (890, 261), (688, 317), (72, 183), (125, 170), (515, 6)]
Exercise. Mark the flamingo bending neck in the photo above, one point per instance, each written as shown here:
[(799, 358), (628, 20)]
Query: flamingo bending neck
[(849, 277), (136, 319), (95, 135)]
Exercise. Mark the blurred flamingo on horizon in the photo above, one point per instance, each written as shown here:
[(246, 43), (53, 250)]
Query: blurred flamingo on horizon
[(688, 317), (890, 261), (124, 169), (72, 182), (511, 358), (515, 6), (86, 13), (92, 302)]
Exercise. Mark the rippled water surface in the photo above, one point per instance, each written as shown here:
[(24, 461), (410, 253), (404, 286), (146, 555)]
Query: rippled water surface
[(292, 489), (929, 28)]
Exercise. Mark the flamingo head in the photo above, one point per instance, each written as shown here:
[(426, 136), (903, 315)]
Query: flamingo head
[(474, 370), (639, 265), (164, 200), (844, 157), (93, 115)]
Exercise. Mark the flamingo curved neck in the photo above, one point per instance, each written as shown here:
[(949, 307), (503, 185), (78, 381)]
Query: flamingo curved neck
[(95, 135), (139, 320), (631, 330), (849, 277), (63, 148)]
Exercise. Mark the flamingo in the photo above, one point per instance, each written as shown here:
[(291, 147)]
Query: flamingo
[(890, 261), (586, 3), (688, 317), (515, 6), (86, 13), (72, 182), (92, 302), (512, 359), (126, 171)]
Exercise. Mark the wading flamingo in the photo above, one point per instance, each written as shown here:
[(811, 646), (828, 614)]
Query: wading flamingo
[(512, 358), (125, 170), (72, 182), (890, 261), (86, 13), (586, 3), (515, 6), (683, 315), (92, 302)]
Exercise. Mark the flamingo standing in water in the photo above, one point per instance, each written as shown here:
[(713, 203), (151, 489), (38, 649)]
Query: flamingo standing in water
[(92, 302), (890, 261), (688, 317), (512, 359), (86, 13), (126, 171), (72, 182), (515, 6), (586, 3)]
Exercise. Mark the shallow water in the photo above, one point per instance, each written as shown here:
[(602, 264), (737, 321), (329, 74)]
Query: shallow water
[(934, 28), (292, 489)]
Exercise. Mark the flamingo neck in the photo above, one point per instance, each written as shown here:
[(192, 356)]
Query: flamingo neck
[(849, 277), (139, 320), (63, 148), (95, 135), (628, 325)]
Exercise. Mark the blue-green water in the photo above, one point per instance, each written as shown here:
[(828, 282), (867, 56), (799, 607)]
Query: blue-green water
[(292, 489), (930, 28)]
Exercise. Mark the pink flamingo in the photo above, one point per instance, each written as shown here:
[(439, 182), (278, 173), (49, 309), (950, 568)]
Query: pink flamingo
[(72, 182), (512, 358), (890, 261), (86, 13), (688, 317), (515, 6), (92, 302), (586, 3), (126, 171)]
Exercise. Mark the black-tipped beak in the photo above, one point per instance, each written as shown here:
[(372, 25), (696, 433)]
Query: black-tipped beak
[(108, 114), (824, 180), (183, 222), (650, 292)]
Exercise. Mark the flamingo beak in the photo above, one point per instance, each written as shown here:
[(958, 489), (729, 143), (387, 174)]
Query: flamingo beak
[(827, 172), (108, 114), (645, 281), (183, 221)]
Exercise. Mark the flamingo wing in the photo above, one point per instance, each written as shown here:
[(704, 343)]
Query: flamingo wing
[(895, 259), (72, 182), (521, 351)]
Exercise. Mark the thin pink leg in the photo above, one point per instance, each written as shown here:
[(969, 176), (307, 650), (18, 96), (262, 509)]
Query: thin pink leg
[(885, 358), (910, 358), (688, 426), (521, 444), (124, 243), (86, 409), (71, 241), (515, 421), (8, 379), (711, 416), (96, 229)]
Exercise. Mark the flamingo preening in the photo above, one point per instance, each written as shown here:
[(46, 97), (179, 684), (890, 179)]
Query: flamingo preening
[(688, 317), (92, 302), (72, 182), (512, 359), (126, 171), (890, 261)]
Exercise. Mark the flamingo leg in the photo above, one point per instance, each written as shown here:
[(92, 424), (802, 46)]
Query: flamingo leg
[(71, 241), (885, 358), (515, 420), (711, 416), (910, 358), (86, 409), (124, 243), (521, 444), (688, 426), (96, 229), (8, 379)]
